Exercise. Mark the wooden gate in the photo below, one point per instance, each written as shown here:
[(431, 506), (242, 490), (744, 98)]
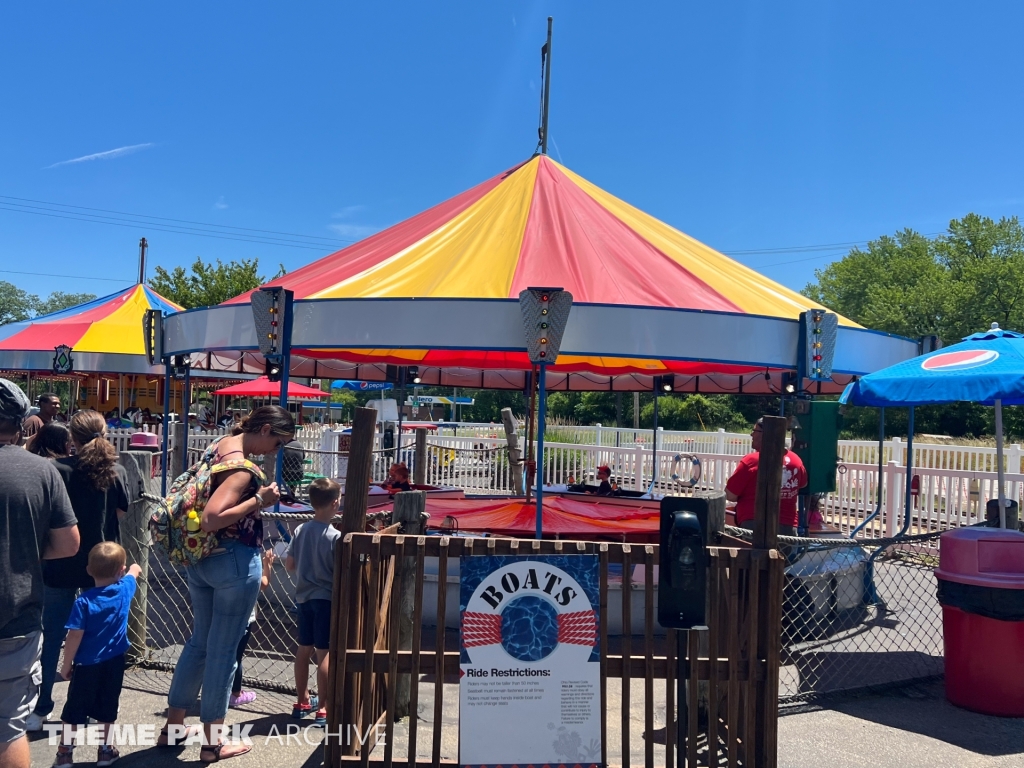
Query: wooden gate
[(731, 668)]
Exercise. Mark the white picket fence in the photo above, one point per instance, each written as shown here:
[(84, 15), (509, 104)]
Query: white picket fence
[(954, 482)]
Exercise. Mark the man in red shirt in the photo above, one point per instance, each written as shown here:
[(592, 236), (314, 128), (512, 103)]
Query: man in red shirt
[(742, 486)]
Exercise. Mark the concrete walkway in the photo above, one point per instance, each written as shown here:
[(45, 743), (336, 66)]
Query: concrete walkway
[(908, 728)]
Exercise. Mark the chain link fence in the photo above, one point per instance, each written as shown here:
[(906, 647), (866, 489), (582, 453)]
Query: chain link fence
[(856, 614)]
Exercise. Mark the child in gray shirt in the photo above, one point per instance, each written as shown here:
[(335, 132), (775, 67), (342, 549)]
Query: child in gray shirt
[(310, 558)]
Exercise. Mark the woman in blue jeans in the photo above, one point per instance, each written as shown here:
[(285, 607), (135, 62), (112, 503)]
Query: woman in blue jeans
[(97, 486), (224, 585)]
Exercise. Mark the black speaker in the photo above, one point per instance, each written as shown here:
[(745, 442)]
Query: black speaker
[(688, 525)]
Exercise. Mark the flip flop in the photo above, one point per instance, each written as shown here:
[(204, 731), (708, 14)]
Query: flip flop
[(215, 749)]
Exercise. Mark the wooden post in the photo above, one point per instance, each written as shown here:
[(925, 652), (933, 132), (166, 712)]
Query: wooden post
[(419, 469), (175, 454), (409, 510), (360, 462), (768, 582), (515, 454), (353, 520), (136, 540), (769, 482)]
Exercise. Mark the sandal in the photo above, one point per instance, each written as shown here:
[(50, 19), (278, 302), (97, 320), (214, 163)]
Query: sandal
[(190, 730), (215, 749)]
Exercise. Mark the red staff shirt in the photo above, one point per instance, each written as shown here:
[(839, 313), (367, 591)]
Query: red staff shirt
[(743, 485)]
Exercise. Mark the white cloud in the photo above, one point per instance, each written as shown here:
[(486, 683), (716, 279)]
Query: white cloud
[(220, 205), (110, 154), (348, 211), (353, 231)]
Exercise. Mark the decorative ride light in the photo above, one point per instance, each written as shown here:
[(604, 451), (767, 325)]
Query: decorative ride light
[(819, 343), (271, 312), (152, 334), (545, 312)]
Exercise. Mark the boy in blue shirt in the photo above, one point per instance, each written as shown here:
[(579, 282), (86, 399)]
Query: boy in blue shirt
[(95, 647)]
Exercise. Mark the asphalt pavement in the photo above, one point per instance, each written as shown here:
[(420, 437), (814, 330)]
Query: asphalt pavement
[(906, 727)]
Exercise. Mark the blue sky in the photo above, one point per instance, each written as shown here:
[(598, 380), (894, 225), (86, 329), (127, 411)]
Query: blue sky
[(753, 126)]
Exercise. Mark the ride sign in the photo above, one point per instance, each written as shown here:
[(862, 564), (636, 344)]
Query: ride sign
[(530, 689)]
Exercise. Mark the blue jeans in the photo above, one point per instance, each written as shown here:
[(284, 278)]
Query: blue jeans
[(57, 605), (224, 587)]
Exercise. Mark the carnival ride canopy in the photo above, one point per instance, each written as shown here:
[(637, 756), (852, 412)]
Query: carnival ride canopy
[(105, 335), (440, 291)]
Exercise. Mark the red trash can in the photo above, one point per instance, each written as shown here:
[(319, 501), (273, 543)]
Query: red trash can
[(981, 590)]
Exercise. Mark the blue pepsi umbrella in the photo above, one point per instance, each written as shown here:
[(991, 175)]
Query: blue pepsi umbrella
[(986, 368), (362, 386)]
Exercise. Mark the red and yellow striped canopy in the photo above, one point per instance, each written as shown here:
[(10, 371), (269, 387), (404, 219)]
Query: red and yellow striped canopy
[(540, 224), (106, 332)]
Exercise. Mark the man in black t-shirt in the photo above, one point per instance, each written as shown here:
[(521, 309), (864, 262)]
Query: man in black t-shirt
[(36, 523)]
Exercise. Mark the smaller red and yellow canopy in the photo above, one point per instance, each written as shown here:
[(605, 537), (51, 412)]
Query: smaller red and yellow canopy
[(105, 335)]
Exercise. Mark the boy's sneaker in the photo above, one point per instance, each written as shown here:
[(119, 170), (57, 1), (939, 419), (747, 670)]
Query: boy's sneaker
[(65, 757), (242, 697), (300, 710), (106, 755), (321, 718)]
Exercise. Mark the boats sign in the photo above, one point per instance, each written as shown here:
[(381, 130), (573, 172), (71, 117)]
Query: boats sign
[(530, 655)]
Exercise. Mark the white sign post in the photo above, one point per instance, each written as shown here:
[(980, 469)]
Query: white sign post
[(530, 688)]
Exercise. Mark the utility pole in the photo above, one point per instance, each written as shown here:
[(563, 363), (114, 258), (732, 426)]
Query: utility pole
[(545, 62), (143, 245)]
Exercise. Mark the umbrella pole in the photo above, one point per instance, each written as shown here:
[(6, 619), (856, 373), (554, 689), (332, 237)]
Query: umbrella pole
[(999, 464)]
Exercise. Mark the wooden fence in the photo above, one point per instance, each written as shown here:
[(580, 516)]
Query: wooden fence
[(734, 663)]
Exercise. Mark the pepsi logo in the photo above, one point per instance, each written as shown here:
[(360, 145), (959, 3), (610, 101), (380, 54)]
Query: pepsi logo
[(960, 361), (363, 385)]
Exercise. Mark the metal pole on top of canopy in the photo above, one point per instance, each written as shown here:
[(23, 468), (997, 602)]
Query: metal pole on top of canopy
[(545, 55)]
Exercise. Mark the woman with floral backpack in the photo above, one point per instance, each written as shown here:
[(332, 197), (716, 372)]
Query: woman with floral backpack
[(215, 528)]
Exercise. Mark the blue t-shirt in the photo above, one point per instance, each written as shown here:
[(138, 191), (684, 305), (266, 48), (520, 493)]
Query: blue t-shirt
[(102, 613)]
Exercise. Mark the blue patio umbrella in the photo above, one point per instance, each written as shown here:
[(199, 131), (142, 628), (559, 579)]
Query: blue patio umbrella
[(362, 386), (986, 368)]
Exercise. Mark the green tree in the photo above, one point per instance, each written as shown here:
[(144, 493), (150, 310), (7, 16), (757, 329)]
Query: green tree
[(895, 285), (59, 300), (985, 263), (694, 413), (208, 284), (15, 304), (952, 285)]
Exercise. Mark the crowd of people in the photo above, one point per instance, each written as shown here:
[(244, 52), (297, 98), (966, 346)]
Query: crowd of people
[(66, 585)]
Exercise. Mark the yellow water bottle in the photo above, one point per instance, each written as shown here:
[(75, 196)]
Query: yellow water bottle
[(192, 525)]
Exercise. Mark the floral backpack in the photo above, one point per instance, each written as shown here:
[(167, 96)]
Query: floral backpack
[(175, 525)]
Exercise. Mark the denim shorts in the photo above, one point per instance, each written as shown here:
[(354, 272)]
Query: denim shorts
[(315, 624)]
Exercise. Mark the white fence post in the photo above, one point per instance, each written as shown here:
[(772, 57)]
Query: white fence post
[(896, 451), (720, 441), (638, 467), (597, 435)]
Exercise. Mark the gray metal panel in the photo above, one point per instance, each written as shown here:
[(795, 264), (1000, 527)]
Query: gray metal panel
[(668, 334), (860, 352), (592, 330), (84, 362), (222, 327), (408, 324)]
